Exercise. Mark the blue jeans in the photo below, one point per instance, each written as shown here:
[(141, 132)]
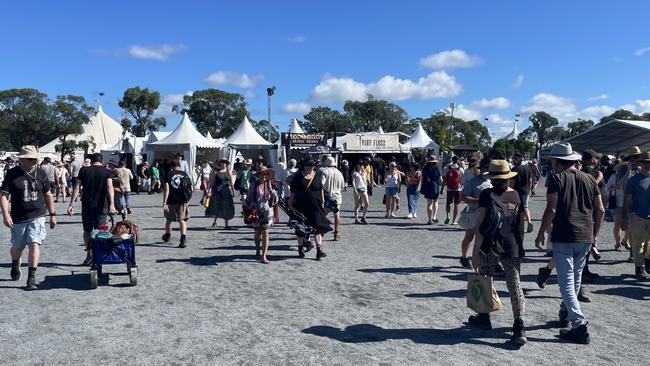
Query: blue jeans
[(413, 195), (570, 258)]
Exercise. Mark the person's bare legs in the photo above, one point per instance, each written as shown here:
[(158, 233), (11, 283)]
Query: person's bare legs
[(34, 255), (183, 226), (265, 245), (225, 223), (258, 238), (448, 210), (467, 240), (388, 199), (89, 252), (357, 203), (366, 203), (337, 221), (214, 223), (455, 221)]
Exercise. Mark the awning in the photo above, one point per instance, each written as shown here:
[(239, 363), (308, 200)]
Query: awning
[(613, 137)]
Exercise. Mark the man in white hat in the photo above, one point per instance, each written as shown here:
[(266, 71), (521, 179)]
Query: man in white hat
[(333, 183), (572, 200), (31, 200)]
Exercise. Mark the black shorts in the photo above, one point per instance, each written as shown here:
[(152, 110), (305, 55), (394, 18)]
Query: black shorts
[(92, 217)]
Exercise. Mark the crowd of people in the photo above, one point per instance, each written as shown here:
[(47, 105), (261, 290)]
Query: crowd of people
[(496, 216)]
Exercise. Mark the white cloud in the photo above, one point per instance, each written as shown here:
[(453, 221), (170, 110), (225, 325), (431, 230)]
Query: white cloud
[(297, 39), (642, 51), (595, 113), (629, 107), (598, 97), (158, 53), (167, 102), (450, 59), (519, 81), (559, 107), (437, 84), (296, 108), (644, 104), (495, 103), (238, 79), (463, 112)]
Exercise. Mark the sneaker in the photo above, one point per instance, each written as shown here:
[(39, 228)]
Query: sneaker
[(464, 261), (128, 210), (519, 333), (625, 245), (435, 221), (564, 318), (363, 221), (393, 214), (429, 222), (617, 247), (542, 276), (15, 272), (409, 216), (165, 237), (481, 321), (530, 228), (578, 335), (31, 284), (415, 216)]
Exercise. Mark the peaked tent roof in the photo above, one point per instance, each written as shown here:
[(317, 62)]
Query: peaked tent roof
[(381, 130), (295, 127), (246, 136), (512, 135), (420, 140), (186, 133), (613, 137), (104, 131)]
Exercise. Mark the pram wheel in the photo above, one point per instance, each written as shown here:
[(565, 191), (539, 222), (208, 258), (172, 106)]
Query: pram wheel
[(133, 275), (93, 279)]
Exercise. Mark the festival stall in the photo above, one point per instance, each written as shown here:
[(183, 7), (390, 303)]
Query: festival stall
[(250, 144), (185, 139)]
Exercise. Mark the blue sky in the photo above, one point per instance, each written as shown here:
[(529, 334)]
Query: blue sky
[(574, 59)]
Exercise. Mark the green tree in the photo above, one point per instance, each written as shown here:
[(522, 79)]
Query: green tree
[(502, 149), (325, 119), (544, 130), (578, 127), (25, 118), (141, 104), (620, 114), (215, 111), (370, 115), (70, 113), (266, 129)]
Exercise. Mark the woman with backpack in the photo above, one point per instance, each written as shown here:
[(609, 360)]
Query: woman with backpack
[(499, 239)]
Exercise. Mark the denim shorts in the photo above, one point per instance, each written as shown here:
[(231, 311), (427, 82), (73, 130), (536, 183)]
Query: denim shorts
[(32, 231), (525, 198), (392, 192)]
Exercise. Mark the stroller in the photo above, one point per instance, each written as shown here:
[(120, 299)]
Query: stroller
[(298, 222), (108, 248)]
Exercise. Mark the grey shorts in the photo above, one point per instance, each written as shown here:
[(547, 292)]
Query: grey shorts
[(28, 232)]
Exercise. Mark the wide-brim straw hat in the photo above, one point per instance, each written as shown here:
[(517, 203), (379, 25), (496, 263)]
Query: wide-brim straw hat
[(564, 151), (632, 153), (618, 166), (28, 152), (645, 157), (268, 172), (248, 162), (500, 169)]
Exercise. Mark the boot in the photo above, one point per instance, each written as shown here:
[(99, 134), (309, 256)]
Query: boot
[(564, 318), (15, 270), (31, 280), (582, 295), (639, 273), (183, 242), (301, 253), (519, 333), (542, 276), (320, 253), (481, 321), (578, 335)]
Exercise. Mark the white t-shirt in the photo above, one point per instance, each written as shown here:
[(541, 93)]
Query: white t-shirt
[(205, 172), (332, 181), (359, 180)]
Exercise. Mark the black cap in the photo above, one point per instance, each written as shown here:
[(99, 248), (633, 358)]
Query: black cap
[(590, 154)]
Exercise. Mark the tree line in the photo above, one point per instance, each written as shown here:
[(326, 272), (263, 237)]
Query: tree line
[(41, 119)]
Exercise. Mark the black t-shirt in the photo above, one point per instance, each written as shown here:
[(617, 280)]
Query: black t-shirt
[(577, 194), (176, 194), (93, 180), (521, 181), (27, 191)]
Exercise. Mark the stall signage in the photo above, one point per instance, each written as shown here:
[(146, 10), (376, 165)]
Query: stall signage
[(303, 139), (371, 142)]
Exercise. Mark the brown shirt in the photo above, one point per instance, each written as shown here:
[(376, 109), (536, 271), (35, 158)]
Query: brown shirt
[(577, 192)]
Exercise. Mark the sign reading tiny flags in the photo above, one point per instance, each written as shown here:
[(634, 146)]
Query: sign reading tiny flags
[(372, 142), (303, 139)]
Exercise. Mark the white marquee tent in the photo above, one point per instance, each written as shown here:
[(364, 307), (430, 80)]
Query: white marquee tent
[(185, 139), (250, 143), (102, 129), (420, 140)]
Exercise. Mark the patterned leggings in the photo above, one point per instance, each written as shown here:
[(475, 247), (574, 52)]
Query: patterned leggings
[(511, 267)]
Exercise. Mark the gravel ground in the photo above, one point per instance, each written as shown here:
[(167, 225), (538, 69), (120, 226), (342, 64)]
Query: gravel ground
[(390, 293)]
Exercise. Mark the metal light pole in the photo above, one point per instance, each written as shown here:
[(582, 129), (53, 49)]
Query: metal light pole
[(270, 92)]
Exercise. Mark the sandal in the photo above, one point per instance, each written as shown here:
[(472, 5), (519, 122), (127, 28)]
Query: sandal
[(264, 261), (88, 261)]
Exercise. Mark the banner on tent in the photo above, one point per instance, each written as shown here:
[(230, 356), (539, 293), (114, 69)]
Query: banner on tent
[(303, 139), (372, 142)]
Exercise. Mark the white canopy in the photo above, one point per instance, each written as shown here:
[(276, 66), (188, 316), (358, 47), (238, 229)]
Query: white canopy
[(295, 127), (184, 139), (245, 137), (102, 130), (380, 130), (420, 140)]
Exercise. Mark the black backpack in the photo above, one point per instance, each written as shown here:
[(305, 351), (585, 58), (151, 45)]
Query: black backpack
[(186, 188), (499, 221)]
